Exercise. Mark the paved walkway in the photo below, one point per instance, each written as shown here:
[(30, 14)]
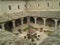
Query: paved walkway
[(42, 37), (42, 34)]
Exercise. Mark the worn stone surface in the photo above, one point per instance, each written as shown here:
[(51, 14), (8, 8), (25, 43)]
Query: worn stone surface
[(8, 38), (53, 39)]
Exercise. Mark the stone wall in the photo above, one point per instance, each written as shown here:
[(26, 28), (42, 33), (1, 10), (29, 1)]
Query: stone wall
[(44, 5), (4, 6)]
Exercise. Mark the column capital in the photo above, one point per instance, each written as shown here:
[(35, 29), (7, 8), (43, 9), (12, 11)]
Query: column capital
[(21, 18), (35, 17), (55, 20), (13, 21), (44, 18)]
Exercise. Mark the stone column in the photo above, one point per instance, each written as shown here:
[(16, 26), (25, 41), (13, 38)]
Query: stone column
[(56, 23), (21, 21), (13, 23), (2, 25), (35, 18), (28, 20), (44, 21)]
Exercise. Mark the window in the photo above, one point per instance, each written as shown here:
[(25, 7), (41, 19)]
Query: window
[(38, 5), (25, 5), (30, 5), (48, 4), (9, 7), (59, 3), (18, 7)]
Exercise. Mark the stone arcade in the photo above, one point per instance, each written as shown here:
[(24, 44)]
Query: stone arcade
[(14, 14), (9, 25)]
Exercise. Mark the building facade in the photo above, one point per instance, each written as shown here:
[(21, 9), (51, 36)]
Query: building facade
[(14, 14)]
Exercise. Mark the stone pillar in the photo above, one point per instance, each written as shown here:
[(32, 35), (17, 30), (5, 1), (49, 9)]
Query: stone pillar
[(44, 21), (21, 21), (2, 25), (35, 18), (56, 23), (28, 20), (13, 23)]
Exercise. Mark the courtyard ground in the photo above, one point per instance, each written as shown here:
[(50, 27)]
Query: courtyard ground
[(9, 38)]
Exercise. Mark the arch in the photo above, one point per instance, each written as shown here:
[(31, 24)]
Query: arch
[(25, 20), (32, 20), (40, 20), (58, 23), (17, 22), (8, 26), (50, 22)]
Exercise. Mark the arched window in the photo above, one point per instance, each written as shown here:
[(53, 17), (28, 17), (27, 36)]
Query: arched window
[(18, 7), (38, 5), (30, 5), (9, 7), (48, 4), (59, 3), (25, 5)]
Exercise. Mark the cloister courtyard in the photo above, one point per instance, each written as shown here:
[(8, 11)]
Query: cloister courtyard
[(29, 22), (44, 29), (32, 30)]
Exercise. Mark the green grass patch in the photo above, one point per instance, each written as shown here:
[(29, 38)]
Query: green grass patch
[(34, 28), (27, 28)]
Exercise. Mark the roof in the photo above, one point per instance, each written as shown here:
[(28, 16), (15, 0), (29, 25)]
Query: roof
[(48, 14)]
